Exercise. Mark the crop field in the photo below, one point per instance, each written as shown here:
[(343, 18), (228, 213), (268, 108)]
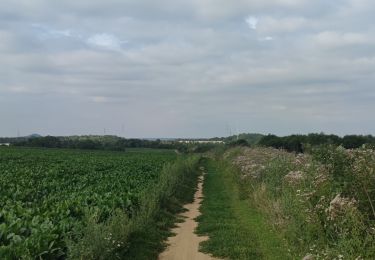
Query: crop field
[(271, 204), (46, 194)]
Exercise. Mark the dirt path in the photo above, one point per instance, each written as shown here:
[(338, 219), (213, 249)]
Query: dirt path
[(185, 245)]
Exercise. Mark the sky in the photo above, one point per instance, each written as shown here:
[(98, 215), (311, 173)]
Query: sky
[(198, 68)]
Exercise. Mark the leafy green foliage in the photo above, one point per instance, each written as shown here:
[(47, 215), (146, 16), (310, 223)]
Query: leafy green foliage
[(239, 142), (47, 196)]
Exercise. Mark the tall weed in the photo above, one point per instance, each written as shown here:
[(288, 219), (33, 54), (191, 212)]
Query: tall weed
[(322, 203)]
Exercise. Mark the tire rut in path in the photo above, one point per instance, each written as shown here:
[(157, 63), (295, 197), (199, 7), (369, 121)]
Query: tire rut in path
[(185, 244)]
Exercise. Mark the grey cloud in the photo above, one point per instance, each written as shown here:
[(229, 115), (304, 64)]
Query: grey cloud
[(186, 68)]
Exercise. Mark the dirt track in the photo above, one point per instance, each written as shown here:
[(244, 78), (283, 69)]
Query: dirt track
[(185, 245)]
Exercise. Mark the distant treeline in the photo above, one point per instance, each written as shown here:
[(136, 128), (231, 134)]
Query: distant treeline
[(112, 143), (298, 143), (292, 143), (13, 139), (250, 138)]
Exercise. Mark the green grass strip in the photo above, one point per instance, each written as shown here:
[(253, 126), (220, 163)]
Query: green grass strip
[(236, 230)]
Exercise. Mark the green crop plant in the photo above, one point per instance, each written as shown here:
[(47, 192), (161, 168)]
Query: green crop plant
[(48, 197)]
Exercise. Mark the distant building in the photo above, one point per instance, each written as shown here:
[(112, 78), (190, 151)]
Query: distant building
[(200, 142), (4, 144)]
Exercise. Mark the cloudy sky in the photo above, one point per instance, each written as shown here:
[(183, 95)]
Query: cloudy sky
[(197, 68)]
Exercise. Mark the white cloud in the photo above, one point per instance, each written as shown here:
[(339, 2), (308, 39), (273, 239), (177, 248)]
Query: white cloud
[(270, 25), (252, 22), (105, 41), (221, 9), (100, 40), (62, 33), (267, 38), (333, 39), (46, 32)]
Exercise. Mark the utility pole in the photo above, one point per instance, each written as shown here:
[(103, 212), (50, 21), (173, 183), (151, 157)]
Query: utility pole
[(238, 133)]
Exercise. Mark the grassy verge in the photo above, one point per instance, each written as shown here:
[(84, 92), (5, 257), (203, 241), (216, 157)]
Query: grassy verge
[(236, 230), (321, 203), (142, 236)]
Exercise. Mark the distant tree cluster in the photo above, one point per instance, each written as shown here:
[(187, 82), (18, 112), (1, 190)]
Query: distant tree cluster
[(239, 142), (12, 139), (112, 143), (249, 138), (297, 143)]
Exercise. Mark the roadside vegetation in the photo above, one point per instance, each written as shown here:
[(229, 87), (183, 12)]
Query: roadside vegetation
[(321, 203), (236, 230)]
